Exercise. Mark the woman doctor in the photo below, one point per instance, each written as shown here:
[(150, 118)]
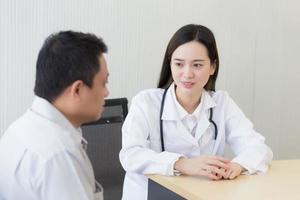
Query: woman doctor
[(182, 127)]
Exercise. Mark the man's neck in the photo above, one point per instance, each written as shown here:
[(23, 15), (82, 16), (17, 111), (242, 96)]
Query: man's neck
[(62, 107)]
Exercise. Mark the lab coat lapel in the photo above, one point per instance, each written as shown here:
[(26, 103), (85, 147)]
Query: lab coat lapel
[(169, 110), (170, 114), (184, 133), (203, 123), (202, 126)]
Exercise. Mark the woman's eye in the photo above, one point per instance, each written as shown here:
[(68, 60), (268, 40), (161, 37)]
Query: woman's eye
[(178, 64), (197, 65)]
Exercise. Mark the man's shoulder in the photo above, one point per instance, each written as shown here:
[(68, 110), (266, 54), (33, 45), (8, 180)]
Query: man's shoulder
[(39, 136)]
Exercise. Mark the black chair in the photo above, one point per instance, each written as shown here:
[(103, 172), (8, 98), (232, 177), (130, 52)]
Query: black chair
[(104, 144)]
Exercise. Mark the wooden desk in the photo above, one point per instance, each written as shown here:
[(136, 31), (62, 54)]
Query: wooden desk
[(281, 182)]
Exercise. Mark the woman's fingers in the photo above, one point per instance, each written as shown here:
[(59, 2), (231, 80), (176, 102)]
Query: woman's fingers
[(234, 174), (218, 163), (227, 174), (212, 175), (213, 167), (216, 170), (223, 172), (222, 159), (217, 166)]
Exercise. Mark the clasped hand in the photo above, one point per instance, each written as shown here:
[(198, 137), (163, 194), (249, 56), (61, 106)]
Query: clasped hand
[(212, 167)]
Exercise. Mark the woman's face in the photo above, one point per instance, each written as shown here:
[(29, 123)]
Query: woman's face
[(191, 68)]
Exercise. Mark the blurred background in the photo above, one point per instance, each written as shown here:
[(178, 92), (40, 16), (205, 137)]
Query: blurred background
[(258, 44)]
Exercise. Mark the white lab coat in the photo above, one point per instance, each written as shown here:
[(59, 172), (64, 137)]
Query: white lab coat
[(141, 145), (42, 158)]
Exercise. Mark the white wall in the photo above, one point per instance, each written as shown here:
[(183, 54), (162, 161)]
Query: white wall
[(258, 42)]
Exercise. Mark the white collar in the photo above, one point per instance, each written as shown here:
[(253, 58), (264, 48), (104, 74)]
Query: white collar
[(169, 113), (45, 109), (182, 113)]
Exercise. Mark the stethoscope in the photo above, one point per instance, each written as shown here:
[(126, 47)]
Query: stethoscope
[(161, 121)]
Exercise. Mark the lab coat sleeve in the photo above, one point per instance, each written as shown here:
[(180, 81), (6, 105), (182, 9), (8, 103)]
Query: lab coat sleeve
[(136, 154), (62, 178), (249, 146)]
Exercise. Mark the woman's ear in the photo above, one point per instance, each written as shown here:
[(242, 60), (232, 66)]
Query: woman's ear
[(213, 68)]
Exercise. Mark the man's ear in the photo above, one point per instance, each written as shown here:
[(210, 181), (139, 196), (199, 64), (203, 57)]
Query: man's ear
[(76, 88)]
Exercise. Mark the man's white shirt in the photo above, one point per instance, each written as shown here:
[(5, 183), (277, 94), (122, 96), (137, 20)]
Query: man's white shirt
[(41, 157)]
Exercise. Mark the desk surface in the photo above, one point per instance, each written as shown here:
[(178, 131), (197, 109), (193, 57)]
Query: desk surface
[(281, 182)]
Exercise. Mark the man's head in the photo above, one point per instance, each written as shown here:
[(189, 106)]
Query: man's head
[(71, 74)]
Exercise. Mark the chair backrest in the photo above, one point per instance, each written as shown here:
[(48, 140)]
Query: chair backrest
[(104, 144)]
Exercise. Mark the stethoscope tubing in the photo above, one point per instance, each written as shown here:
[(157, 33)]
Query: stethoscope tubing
[(161, 121)]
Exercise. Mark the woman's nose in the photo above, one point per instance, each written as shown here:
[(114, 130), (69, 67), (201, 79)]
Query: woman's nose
[(188, 72)]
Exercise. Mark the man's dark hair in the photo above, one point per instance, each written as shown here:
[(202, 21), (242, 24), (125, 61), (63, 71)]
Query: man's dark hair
[(65, 57)]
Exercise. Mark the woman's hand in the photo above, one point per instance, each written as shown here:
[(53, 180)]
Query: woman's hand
[(234, 171), (213, 167)]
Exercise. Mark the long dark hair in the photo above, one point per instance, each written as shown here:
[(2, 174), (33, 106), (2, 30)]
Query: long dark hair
[(188, 33)]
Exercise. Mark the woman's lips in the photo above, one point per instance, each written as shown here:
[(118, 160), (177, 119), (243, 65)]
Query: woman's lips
[(187, 85)]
